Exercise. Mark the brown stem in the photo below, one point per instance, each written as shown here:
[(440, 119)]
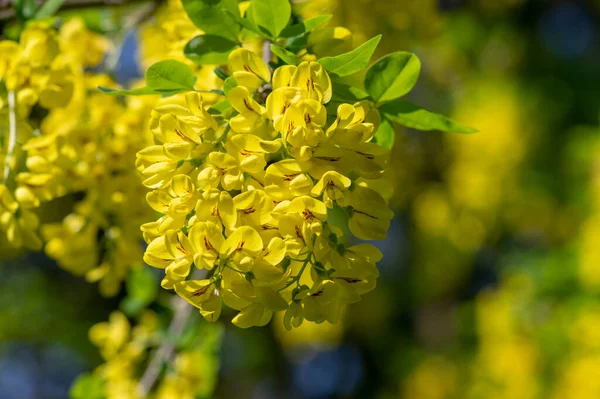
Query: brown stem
[(164, 353)]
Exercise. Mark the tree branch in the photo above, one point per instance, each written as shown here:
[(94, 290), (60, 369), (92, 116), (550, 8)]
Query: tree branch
[(164, 353), (12, 136)]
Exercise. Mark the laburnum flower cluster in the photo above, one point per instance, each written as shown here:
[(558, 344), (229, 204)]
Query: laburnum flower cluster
[(248, 196), (124, 348), (61, 138)]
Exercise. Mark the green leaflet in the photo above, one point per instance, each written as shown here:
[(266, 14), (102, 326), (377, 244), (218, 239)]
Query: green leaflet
[(353, 61), (170, 75), (245, 23), (419, 118), (392, 76), (386, 134), (345, 93), (220, 107), (229, 84), (305, 26), (49, 8), (164, 77), (271, 15), (25, 8), (209, 49), (211, 16), (87, 386), (286, 56)]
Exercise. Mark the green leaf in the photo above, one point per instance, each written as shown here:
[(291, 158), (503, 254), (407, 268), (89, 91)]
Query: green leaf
[(221, 74), (353, 61), (245, 23), (134, 92), (392, 76), (220, 107), (386, 134), (170, 75), (416, 117), (142, 284), (87, 386), (272, 15), (209, 49), (344, 93), (286, 56), (229, 84), (164, 77), (49, 8), (305, 26), (211, 16), (25, 8)]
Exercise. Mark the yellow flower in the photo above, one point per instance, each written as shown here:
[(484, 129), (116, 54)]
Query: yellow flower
[(285, 180), (220, 169), (207, 240), (312, 77), (20, 224), (111, 336), (179, 199), (242, 244), (323, 303), (253, 208), (251, 118), (217, 207), (196, 292), (249, 151), (332, 186), (40, 44), (248, 69), (370, 215), (255, 314)]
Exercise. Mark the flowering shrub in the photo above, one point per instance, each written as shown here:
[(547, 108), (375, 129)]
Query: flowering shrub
[(264, 160)]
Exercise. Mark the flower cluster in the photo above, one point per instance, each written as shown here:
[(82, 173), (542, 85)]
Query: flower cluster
[(64, 139), (124, 347), (248, 195)]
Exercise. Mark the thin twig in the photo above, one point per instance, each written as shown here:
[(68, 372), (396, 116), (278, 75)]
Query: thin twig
[(164, 354), (12, 135), (266, 53)]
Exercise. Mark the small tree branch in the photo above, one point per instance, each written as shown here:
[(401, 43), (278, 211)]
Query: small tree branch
[(12, 136), (164, 353), (266, 53)]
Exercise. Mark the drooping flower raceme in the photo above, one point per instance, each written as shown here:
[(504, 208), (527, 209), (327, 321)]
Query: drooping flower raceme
[(59, 136), (247, 194)]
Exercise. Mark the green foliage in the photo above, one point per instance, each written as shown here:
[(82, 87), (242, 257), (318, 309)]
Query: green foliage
[(245, 23), (25, 8), (211, 16), (164, 77), (392, 76), (141, 291), (416, 117), (220, 107), (304, 27), (170, 75), (87, 386), (229, 84), (286, 56), (49, 8), (353, 61), (386, 134), (209, 49), (271, 16)]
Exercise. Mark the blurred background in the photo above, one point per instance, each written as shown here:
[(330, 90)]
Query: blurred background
[(490, 283)]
